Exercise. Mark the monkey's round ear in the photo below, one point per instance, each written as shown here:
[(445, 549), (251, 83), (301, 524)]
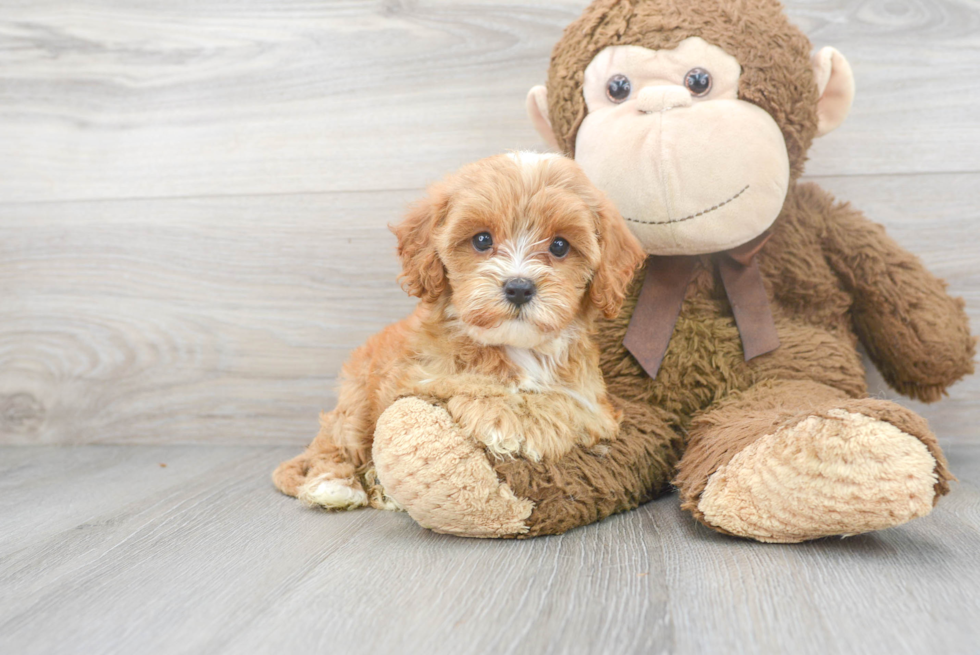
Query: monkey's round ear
[(537, 111), (835, 85)]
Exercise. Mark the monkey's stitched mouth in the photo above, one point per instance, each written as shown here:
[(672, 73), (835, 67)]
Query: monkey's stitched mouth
[(687, 218)]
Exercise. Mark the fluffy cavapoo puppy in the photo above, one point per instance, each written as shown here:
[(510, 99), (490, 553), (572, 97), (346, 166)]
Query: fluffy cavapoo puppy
[(512, 258)]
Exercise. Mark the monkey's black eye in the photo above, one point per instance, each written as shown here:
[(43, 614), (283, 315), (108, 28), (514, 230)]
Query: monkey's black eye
[(698, 81), (483, 241), (559, 247), (618, 88)]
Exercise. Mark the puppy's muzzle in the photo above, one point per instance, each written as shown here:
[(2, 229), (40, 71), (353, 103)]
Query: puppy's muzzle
[(519, 291)]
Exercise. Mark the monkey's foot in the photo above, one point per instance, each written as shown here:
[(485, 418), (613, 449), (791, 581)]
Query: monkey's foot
[(840, 473), (441, 476)]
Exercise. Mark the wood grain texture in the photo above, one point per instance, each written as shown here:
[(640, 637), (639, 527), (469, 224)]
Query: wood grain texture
[(226, 320), (105, 99), (196, 320), (193, 201), (193, 196), (110, 553)]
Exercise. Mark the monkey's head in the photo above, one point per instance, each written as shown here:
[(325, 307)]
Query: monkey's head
[(694, 116)]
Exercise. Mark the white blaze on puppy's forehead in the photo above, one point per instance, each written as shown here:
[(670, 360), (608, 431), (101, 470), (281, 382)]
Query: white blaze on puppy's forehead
[(518, 257), (531, 162), (529, 158), (521, 199)]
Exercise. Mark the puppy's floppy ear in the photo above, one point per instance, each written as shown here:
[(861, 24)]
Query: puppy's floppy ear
[(620, 255), (423, 274)]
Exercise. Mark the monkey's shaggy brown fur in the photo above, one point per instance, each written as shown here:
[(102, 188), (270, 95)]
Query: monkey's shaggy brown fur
[(833, 278), (775, 58)]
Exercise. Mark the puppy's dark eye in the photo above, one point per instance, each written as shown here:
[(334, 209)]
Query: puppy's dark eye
[(483, 241), (618, 88), (559, 247), (698, 81)]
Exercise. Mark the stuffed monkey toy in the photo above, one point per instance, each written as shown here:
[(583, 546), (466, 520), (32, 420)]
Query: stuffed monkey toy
[(735, 358)]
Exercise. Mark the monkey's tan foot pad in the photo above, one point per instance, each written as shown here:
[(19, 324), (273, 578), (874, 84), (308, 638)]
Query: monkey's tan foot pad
[(331, 492), (839, 474), (441, 476)]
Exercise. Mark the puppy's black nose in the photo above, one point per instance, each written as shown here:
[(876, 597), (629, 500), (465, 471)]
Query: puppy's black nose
[(519, 291)]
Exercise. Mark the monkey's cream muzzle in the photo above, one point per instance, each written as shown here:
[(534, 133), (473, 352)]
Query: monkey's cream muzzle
[(692, 167), (691, 174), (702, 178)]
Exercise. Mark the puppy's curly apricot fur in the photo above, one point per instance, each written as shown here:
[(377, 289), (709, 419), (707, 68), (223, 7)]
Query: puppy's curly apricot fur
[(519, 375)]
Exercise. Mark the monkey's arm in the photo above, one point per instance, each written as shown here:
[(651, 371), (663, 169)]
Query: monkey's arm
[(444, 479), (917, 334)]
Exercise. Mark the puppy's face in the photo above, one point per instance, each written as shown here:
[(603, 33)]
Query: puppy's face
[(520, 245)]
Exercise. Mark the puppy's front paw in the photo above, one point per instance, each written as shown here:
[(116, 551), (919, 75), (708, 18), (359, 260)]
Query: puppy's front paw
[(493, 422), (503, 445), (603, 426), (333, 493)]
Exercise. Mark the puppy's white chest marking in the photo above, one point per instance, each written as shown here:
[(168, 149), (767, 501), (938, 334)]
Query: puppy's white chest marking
[(538, 370)]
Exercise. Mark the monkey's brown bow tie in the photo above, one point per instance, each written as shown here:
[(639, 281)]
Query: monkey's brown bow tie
[(662, 295)]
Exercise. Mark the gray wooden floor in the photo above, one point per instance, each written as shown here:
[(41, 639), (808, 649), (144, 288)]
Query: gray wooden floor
[(193, 201), (103, 549)]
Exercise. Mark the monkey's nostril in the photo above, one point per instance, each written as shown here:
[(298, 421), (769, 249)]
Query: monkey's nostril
[(519, 291)]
